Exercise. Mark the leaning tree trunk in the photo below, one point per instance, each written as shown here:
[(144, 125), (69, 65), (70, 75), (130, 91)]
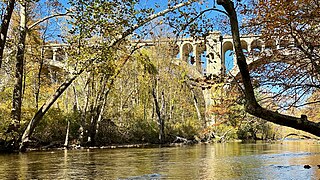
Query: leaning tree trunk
[(251, 104), (5, 22), (42, 111), (17, 91), (195, 103)]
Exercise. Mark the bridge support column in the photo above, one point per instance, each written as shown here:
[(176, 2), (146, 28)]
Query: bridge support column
[(54, 56), (197, 57)]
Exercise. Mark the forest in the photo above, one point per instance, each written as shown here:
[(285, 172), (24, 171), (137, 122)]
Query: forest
[(76, 74)]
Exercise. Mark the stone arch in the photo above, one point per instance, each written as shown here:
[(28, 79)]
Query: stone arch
[(48, 53), (270, 44), (244, 45), (60, 54), (256, 46), (186, 50), (228, 45), (227, 51)]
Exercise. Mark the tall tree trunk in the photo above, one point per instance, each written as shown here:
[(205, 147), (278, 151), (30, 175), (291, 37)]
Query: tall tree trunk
[(163, 115), (251, 104), (17, 91), (5, 22), (159, 115), (83, 112)]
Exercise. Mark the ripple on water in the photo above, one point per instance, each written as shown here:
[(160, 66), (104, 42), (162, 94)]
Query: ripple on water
[(144, 177)]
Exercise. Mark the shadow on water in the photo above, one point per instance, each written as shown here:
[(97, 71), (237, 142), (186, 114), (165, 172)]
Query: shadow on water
[(206, 161)]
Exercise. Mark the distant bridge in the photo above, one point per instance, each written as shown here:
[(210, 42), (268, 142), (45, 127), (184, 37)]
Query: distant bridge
[(206, 55), (203, 56)]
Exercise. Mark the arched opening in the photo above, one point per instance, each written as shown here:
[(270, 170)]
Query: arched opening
[(60, 54), (48, 54), (244, 46), (256, 47), (269, 46), (227, 57), (187, 53), (229, 60)]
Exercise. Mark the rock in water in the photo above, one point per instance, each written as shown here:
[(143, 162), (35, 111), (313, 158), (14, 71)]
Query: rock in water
[(307, 166)]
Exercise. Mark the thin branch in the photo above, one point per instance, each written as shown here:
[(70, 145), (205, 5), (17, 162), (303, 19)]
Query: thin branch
[(200, 14), (148, 19), (47, 18), (308, 103)]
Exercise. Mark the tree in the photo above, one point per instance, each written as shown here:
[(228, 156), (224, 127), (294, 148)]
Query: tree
[(23, 30), (291, 56), (110, 37), (251, 104), (17, 91)]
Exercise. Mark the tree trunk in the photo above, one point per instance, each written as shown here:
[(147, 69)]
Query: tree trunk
[(38, 83), (251, 104), (159, 115), (42, 111), (95, 108), (101, 112), (5, 22), (17, 91), (195, 102), (66, 141)]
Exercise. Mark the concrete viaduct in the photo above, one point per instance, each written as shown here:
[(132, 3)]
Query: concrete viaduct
[(207, 55)]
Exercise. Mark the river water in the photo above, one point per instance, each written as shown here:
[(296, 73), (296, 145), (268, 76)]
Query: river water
[(235, 160)]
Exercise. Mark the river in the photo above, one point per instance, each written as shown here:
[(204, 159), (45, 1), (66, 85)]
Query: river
[(280, 160)]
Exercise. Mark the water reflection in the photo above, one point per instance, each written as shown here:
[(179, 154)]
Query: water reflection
[(207, 161)]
